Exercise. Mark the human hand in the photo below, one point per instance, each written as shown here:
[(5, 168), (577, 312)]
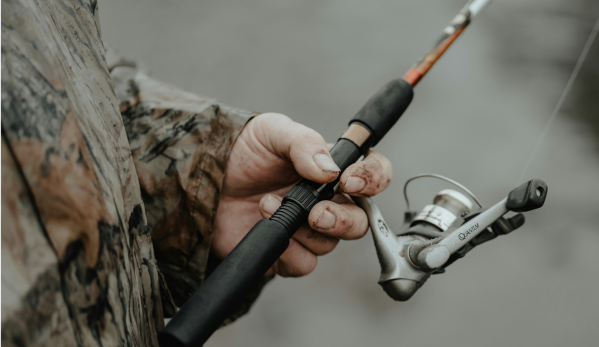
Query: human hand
[(273, 153)]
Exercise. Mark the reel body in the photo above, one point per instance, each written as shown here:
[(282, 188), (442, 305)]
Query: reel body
[(442, 233)]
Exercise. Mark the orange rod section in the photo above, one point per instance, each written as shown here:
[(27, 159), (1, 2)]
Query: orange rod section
[(415, 74)]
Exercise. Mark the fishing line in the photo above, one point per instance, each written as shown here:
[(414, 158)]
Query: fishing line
[(558, 106)]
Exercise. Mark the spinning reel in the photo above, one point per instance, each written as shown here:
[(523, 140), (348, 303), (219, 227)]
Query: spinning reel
[(442, 232)]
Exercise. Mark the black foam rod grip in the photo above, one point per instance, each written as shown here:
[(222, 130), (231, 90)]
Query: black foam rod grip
[(221, 293), (385, 107)]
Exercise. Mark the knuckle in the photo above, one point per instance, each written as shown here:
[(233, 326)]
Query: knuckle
[(272, 116), (344, 224), (331, 245), (311, 137), (273, 121), (370, 170), (376, 173), (359, 225), (325, 244)]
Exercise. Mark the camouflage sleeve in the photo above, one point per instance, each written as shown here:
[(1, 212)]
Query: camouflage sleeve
[(78, 266), (31, 266), (180, 143)]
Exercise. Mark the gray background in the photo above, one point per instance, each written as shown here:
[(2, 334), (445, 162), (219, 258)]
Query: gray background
[(475, 118)]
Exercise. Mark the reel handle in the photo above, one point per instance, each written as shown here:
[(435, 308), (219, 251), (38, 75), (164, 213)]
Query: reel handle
[(433, 254)]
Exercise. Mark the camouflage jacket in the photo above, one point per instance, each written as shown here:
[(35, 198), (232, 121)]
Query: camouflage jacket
[(110, 184)]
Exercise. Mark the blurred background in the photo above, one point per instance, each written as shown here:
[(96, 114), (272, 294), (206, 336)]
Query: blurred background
[(475, 118)]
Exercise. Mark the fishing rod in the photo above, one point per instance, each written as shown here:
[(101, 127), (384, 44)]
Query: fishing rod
[(222, 291)]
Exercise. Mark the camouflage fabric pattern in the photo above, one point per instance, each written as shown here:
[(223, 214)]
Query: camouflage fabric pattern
[(180, 143), (85, 191)]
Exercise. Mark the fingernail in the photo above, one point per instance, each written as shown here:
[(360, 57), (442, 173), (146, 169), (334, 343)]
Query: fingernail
[(271, 204), (354, 184), (326, 220), (325, 163)]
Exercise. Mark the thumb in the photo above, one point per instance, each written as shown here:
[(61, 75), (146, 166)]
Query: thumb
[(306, 149)]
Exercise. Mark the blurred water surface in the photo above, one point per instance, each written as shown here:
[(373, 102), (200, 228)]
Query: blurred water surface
[(475, 118)]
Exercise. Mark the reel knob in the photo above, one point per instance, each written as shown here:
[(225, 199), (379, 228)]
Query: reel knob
[(528, 196)]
